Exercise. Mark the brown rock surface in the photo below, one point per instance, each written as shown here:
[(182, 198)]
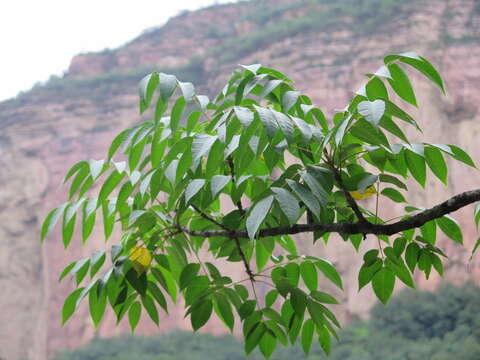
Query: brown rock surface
[(47, 129)]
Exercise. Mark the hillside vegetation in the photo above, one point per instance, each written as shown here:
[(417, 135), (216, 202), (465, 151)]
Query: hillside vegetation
[(415, 326)]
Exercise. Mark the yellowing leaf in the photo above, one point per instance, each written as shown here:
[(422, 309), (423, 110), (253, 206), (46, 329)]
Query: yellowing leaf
[(369, 192), (141, 258)]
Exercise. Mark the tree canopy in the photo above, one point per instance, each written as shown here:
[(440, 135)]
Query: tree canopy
[(236, 177)]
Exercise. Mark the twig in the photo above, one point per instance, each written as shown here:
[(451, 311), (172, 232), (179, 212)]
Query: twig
[(209, 218)]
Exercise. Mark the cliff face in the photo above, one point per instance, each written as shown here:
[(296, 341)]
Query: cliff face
[(324, 46)]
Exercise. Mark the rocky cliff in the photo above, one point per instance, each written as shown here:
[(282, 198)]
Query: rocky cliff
[(324, 45)]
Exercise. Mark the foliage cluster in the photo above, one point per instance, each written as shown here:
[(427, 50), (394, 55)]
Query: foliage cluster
[(273, 155), (417, 325)]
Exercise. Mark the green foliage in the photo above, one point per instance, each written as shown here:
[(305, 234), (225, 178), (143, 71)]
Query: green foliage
[(262, 143), (417, 325)]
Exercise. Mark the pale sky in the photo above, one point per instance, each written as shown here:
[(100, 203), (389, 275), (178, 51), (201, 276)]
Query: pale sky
[(39, 38)]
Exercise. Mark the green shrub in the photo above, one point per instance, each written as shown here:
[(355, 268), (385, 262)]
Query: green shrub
[(416, 325)]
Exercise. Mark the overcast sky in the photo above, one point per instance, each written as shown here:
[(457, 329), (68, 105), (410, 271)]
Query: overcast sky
[(39, 38)]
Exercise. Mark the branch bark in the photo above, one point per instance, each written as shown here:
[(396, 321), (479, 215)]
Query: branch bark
[(351, 201), (453, 204)]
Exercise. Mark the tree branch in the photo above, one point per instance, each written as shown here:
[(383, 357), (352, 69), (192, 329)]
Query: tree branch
[(209, 218), (351, 201), (453, 204), (232, 173)]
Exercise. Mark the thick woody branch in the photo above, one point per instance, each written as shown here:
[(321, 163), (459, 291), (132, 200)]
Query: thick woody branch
[(453, 204)]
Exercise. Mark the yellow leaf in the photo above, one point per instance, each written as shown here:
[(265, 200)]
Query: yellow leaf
[(141, 258), (369, 192)]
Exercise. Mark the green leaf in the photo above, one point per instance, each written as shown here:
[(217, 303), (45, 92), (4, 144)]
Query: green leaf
[(96, 167), (177, 112), (97, 305), (399, 245), (436, 163), (218, 183), (268, 120), (383, 283), (400, 270), (289, 100), (461, 155), (261, 254), (267, 344), (157, 294), (197, 287), (193, 188), (411, 256), (305, 195), (298, 299), (285, 124), (66, 270), (288, 204), (307, 335), (76, 168), (245, 115), (394, 110), (188, 273), (96, 261), (188, 90), (437, 264), (339, 130), (324, 298), (392, 180), (475, 248), (225, 310), (201, 145), (372, 110), (450, 227), (420, 64), (424, 262), (146, 89), (271, 297), (365, 131), (134, 313), (367, 272), (254, 337), (429, 231), (393, 195), (166, 279), (388, 124), (416, 166), (329, 271), (201, 313), (168, 84), (317, 189), (324, 339), (476, 215), (149, 305), (51, 220), (70, 304), (138, 282), (257, 215), (110, 183), (309, 275), (401, 84)]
